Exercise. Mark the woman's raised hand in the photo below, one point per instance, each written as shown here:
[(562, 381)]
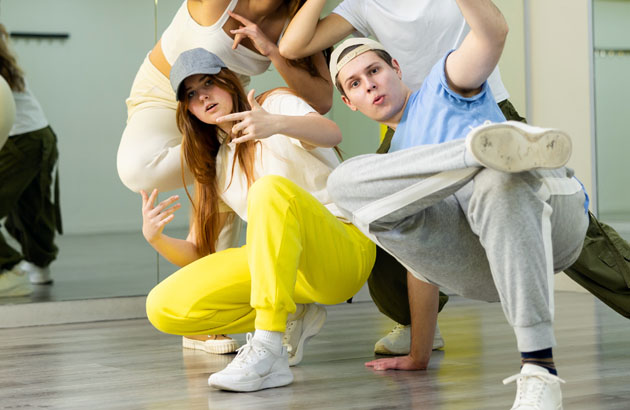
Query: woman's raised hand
[(254, 124), (155, 218), (251, 30)]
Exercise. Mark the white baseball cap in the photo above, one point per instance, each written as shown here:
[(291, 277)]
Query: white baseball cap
[(364, 43)]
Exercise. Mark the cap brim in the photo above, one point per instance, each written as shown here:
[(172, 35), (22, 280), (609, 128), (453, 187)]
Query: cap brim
[(194, 72)]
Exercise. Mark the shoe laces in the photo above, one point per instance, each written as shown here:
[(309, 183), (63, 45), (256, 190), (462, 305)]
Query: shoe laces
[(398, 329), (531, 387), (486, 122), (287, 336), (248, 353)]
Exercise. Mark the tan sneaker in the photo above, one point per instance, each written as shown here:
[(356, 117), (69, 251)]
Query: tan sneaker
[(301, 328), (217, 344), (14, 282), (398, 341)]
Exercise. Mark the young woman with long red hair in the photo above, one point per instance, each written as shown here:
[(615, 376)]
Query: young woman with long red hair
[(267, 161), (243, 33)]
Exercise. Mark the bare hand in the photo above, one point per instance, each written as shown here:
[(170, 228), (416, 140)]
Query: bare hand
[(254, 124), (396, 363), (155, 218), (254, 33)]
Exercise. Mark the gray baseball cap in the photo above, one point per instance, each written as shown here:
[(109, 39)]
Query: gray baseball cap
[(191, 62)]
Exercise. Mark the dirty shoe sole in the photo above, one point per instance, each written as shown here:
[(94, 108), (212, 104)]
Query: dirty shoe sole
[(516, 147)]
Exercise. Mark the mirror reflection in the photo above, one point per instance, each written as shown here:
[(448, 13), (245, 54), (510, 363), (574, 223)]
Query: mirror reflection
[(29, 194), (611, 35), (81, 76)]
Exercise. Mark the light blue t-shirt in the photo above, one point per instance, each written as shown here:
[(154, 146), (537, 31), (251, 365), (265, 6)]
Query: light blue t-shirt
[(436, 114)]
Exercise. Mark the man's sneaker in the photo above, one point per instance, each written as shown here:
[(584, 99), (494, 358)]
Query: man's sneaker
[(300, 329), (255, 367), (516, 147), (36, 274), (217, 344), (14, 282), (398, 341), (537, 389)]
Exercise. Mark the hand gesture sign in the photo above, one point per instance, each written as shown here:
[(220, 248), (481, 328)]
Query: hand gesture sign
[(155, 218), (254, 124), (254, 33)]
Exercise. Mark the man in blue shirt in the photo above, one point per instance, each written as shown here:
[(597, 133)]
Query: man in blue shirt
[(465, 201)]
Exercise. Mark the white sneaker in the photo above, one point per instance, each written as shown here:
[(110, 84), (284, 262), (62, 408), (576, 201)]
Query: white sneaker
[(516, 147), (14, 283), (211, 345), (36, 274), (537, 389), (398, 341), (300, 329), (255, 367)]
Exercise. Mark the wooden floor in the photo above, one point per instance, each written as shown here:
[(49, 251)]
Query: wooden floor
[(129, 365)]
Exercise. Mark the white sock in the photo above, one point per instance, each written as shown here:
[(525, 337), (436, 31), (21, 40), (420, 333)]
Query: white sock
[(272, 340)]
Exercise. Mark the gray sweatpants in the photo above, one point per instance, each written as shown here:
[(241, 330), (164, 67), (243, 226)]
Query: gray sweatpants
[(481, 233)]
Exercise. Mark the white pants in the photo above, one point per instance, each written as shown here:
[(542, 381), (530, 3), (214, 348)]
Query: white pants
[(149, 151)]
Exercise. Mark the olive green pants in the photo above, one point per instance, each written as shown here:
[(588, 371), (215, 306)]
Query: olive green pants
[(388, 281), (27, 162)]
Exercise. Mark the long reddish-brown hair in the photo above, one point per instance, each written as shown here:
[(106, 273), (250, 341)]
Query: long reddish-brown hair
[(200, 146), (9, 69)]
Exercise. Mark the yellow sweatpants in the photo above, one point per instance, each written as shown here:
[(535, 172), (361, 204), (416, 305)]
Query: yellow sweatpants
[(296, 252)]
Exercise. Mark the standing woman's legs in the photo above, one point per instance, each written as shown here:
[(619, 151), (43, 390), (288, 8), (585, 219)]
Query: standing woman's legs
[(35, 216)]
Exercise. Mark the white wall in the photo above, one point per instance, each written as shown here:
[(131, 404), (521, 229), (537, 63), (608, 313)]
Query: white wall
[(512, 63), (560, 81), (560, 75)]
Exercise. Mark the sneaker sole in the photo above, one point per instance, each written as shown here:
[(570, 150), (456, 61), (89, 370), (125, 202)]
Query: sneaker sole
[(438, 343), (268, 382), (312, 327), (40, 281), (507, 148), (16, 291), (215, 347)]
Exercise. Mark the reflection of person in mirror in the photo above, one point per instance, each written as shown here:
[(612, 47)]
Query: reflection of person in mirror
[(416, 33), (27, 162), (148, 155), (267, 160), (465, 200)]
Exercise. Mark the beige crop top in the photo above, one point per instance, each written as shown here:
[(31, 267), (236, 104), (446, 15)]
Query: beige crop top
[(184, 33)]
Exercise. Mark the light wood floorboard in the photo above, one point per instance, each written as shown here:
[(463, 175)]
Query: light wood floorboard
[(130, 365)]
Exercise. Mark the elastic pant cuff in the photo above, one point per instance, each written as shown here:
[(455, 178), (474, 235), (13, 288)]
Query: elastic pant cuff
[(274, 321), (537, 337)]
